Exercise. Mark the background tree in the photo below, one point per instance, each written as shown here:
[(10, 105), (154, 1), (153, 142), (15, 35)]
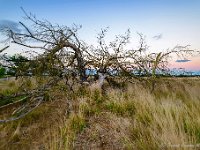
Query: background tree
[(18, 65), (2, 71)]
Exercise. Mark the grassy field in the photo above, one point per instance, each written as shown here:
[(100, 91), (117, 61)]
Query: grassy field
[(129, 117)]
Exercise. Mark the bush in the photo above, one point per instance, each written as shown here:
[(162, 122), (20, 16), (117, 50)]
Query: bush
[(2, 71)]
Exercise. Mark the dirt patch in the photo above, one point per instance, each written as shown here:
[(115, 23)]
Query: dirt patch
[(105, 132)]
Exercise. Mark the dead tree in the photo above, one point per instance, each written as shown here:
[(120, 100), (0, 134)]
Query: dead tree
[(53, 40), (65, 55), (62, 50)]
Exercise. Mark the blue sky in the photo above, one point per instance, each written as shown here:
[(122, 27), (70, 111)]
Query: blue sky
[(173, 21)]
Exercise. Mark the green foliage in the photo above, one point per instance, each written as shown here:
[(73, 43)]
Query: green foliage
[(77, 123), (2, 71), (18, 59), (20, 67)]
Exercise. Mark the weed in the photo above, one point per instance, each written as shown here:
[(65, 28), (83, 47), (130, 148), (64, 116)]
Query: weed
[(77, 123)]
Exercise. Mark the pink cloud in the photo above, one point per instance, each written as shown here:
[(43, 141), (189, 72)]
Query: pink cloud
[(194, 64)]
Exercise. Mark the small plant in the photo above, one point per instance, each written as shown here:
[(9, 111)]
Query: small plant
[(77, 123), (97, 96)]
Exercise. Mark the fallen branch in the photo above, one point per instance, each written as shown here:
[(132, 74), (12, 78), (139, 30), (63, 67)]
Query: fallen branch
[(39, 99), (22, 99)]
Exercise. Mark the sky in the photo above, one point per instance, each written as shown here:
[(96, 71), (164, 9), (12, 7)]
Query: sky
[(165, 23)]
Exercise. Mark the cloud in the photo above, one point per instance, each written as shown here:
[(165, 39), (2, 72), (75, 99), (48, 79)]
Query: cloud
[(182, 60), (157, 37), (10, 25)]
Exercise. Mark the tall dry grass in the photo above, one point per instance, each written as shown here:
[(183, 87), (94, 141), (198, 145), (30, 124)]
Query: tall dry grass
[(131, 117)]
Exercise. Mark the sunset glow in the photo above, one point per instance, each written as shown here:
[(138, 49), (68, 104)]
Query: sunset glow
[(165, 23)]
